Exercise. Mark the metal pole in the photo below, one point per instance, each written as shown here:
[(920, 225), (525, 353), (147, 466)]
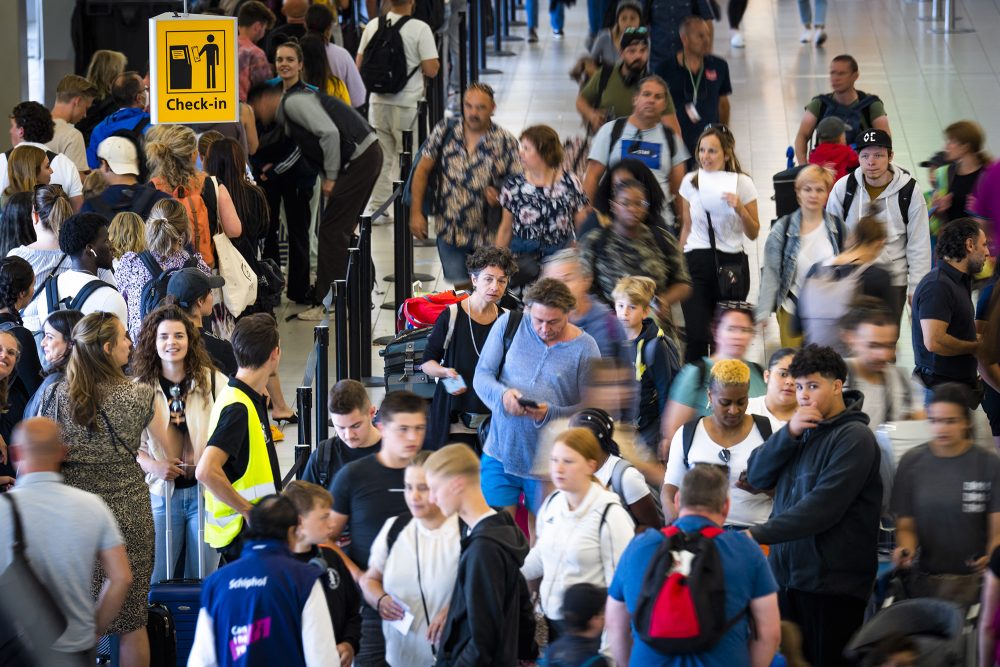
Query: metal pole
[(367, 281), (472, 40), (303, 400), (322, 336), (499, 18), (402, 284), (354, 339), (463, 55), (481, 39), (950, 18), (421, 123), (340, 322)]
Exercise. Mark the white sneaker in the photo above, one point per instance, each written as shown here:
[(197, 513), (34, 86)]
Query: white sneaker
[(314, 314), (736, 41), (807, 35), (820, 36)]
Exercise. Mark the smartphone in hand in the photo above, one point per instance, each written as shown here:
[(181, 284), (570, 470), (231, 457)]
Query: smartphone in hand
[(527, 403), (451, 385)]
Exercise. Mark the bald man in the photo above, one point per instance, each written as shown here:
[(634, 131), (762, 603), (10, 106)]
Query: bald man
[(66, 531)]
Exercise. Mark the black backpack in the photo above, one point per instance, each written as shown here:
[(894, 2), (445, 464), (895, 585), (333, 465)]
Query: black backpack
[(155, 289), (383, 64), (54, 303), (857, 117), (137, 198), (682, 602), (903, 198)]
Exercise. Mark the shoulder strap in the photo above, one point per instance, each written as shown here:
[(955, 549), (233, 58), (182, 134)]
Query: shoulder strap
[(19, 545), (151, 264), (85, 292), (763, 425), (687, 439), (513, 322), (849, 193), (616, 133), (395, 529), (325, 455), (52, 293), (904, 198), (209, 195), (141, 125), (602, 82), (452, 316), (617, 473)]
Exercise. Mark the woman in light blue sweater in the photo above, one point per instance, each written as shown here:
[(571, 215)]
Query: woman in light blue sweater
[(540, 378)]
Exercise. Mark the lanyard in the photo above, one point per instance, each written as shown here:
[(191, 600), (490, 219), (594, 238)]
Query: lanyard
[(695, 83)]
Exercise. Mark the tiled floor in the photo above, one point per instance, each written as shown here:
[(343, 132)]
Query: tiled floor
[(926, 80)]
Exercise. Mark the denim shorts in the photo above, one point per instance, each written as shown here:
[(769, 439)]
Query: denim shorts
[(502, 489), (453, 260)]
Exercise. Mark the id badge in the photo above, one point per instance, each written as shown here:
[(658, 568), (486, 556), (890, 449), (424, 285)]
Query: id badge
[(692, 112)]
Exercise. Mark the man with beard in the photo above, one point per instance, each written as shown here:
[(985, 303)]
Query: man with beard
[(944, 324), (610, 92)]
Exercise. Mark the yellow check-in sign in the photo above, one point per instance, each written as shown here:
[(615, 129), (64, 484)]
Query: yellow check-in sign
[(193, 73)]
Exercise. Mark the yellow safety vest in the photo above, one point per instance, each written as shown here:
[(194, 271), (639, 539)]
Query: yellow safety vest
[(222, 522)]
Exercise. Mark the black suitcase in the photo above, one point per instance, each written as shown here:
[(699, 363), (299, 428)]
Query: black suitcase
[(785, 201), (402, 363)]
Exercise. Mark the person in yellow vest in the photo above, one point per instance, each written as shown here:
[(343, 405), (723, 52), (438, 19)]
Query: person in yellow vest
[(240, 465)]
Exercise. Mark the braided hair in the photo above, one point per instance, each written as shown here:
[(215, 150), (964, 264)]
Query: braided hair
[(16, 278)]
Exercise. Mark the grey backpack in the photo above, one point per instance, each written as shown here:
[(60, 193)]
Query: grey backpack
[(826, 297)]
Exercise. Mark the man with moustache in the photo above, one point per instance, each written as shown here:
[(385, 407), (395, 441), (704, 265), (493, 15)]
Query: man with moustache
[(471, 158)]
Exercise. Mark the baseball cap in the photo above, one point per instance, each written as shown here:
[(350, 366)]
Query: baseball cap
[(190, 284), (830, 128), (878, 138), (935, 161), (634, 36), (120, 154)]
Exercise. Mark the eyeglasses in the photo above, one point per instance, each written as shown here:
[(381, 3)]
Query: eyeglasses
[(725, 455), (718, 127)]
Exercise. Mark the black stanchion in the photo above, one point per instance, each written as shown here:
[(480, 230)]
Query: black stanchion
[(499, 20), (514, 22), (354, 324), (404, 277), (367, 274), (463, 53), (421, 123), (472, 41), (507, 20), (480, 31), (322, 336), (340, 328), (303, 401)]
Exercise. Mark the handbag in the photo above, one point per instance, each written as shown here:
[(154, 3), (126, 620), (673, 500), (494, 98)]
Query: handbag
[(240, 289), (732, 276), (38, 621)]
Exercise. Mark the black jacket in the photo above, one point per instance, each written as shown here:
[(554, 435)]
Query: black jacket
[(342, 595), (823, 530), (487, 605), (574, 651)]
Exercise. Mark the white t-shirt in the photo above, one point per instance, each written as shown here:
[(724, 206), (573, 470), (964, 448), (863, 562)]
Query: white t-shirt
[(418, 44), (437, 558), (758, 406), (64, 172), (813, 247), (573, 546), (69, 141), (745, 509), (729, 230), (648, 146), (633, 484), (102, 300)]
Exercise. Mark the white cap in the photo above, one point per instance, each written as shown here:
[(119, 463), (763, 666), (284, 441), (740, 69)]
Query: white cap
[(120, 154)]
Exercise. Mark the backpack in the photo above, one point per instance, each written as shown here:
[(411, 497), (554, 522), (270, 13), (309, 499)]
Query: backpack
[(762, 423), (682, 602), (155, 289), (616, 485), (54, 303), (401, 522), (430, 12), (857, 117), (825, 298), (203, 216), (138, 199), (903, 198), (383, 64)]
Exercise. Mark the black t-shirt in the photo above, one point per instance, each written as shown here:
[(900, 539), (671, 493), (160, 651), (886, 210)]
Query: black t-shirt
[(712, 84), (282, 34), (368, 493), (339, 456), (945, 294), (462, 354), (343, 598), (220, 352), (232, 435), (951, 500), (961, 187), (29, 367)]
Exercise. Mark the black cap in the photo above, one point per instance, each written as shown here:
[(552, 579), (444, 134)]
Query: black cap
[(933, 162), (190, 284), (582, 602), (870, 138)]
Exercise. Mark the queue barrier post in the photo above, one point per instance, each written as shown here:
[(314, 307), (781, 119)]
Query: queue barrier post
[(499, 22), (367, 279), (472, 40), (340, 324), (303, 402), (321, 334), (463, 53), (481, 37), (354, 323), (944, 11)]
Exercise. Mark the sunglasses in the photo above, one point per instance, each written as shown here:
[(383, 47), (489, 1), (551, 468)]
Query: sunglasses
[(735, 305), (719, 127)]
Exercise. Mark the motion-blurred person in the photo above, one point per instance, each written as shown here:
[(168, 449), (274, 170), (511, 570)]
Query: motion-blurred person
[(105, 65), (579, 644)]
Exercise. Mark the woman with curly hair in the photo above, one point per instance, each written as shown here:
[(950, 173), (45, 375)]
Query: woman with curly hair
[(57, 341), (725, 438), (126, 233), (17, 286), (172, 153), (170, 356), (102, 415)]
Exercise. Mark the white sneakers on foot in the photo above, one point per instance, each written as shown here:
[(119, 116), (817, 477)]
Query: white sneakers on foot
[(314, 314), (807, 34), (736, 41), (820, 36)]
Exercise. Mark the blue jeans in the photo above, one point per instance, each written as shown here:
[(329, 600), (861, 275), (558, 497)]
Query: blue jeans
[(806, 13), (453, 260), (520, 246), (183, 535), (557, 17), (595, 15)]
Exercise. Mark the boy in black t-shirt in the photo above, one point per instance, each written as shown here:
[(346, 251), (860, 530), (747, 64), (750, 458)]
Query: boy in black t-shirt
[(356, 436), (315, 507), (369, 491)]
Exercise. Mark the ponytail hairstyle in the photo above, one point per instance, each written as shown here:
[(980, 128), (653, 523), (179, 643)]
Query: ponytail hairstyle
[(170, 153), (52, 206), (869, 231), (167, 227), (91, 369)]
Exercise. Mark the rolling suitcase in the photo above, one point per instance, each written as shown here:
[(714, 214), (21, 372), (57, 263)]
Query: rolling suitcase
[(177, 599), (785, 200)]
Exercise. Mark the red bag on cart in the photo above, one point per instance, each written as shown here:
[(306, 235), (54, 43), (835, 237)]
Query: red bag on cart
[(422, 311)]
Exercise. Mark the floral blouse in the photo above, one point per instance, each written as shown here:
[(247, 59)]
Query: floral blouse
[(132, 277), (545, 214)]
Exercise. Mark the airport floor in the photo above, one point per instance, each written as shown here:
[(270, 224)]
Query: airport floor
[(926, 80)]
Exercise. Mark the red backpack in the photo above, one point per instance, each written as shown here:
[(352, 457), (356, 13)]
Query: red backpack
[(682, 606)]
